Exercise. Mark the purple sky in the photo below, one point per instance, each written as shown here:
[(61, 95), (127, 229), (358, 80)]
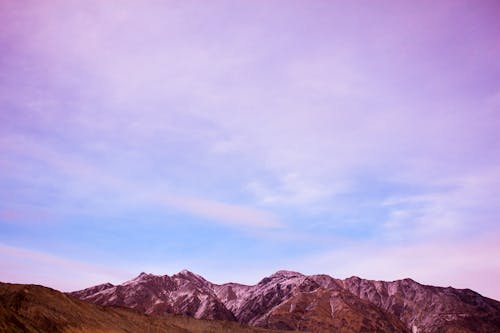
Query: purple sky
[(236, 138)]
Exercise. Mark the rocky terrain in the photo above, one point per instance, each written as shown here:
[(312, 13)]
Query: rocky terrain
[(37, 309), (317, 303), (183, 293)]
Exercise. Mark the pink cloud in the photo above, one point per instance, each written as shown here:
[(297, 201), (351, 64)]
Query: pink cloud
[(471, 263), (220, 212), (25, 214), (22, 265)]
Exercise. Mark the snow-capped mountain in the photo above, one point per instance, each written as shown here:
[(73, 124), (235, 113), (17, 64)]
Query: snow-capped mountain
[(293, 301), (183, 293)]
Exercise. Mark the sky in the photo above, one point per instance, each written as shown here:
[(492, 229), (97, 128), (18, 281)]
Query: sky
[(238, 138)]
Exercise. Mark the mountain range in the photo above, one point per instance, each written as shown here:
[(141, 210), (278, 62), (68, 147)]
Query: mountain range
[(289, 300), (37, 309)]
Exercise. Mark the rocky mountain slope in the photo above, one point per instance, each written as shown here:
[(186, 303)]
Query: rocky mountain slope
[(30, 309), (183, 293), (318, 303), (430, 309)]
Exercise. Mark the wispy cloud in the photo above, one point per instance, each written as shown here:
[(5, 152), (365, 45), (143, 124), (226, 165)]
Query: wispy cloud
[(291, 189), (22, 265), (458, 205), (86, 175), (468, 263), (235, 215)]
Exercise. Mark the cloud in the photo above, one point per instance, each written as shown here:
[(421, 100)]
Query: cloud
[(227, 214), (453, 205), (24, 213), (467, 263), (22, 265), (324, 111), (85, 176), (291, 189)]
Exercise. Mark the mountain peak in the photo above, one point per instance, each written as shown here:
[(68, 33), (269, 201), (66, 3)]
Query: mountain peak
[(139, 278), (190, 275), (143, 276), (186, 272), (287, 274)]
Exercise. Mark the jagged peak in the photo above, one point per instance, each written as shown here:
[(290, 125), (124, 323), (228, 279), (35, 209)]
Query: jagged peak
[(287, 274), (188, 273), (409, 280), (142, 276), (103, 285), (357, 278), (354, 277), (96, 288), (281, 275)]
